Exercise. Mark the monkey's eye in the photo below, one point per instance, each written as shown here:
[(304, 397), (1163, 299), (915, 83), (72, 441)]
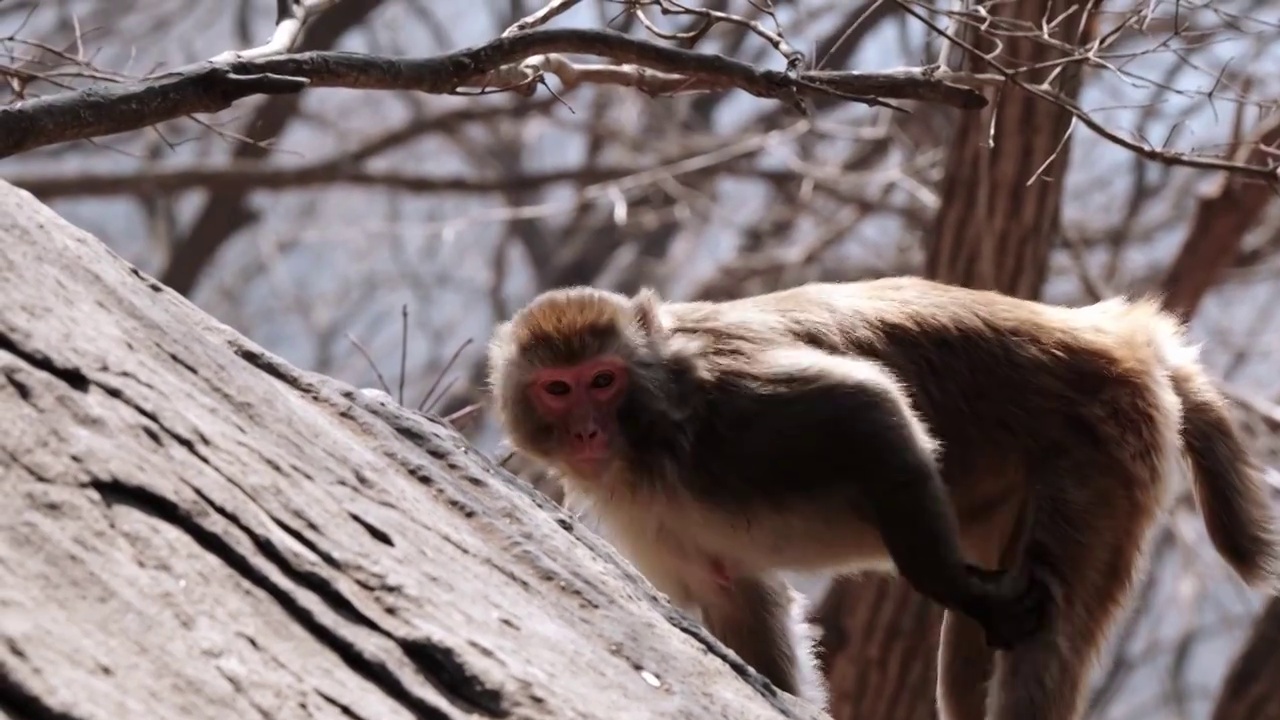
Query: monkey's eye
[(602, 379), (556, 387)]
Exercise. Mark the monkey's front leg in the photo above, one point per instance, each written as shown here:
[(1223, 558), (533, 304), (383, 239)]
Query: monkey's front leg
[(761, 619)]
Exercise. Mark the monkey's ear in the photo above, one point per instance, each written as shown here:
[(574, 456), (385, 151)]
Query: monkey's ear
[(645, 306), (501, 345)]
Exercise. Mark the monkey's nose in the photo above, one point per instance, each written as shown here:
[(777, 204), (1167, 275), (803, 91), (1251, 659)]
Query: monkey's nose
[(585, 435)]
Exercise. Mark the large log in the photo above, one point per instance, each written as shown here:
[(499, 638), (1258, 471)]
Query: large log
[(191, 528)]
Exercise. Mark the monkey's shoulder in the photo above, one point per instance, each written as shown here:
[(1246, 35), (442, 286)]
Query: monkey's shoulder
[(796, 430)]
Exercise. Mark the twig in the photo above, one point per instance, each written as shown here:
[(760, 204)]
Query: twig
[(404, 346), (795, 58), (462, 414), (541, 17), (443, 371), (443, 393), (291, 15), (209, 87), (377, 373), (1269, 173)]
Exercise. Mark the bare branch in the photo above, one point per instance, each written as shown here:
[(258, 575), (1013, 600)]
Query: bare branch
[(265, 176), (1222, 219), (541, 17), (1268, 173), (710, 18), (207, 87), (291, 16), (96, 112)]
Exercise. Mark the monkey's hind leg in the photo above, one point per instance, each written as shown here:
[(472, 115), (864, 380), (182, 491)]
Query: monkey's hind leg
[(966, 663), (965, 667), (1089, 550), (762, 620)]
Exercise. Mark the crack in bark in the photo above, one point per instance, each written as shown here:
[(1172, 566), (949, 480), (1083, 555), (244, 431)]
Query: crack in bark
[(342, 707), (72, 376), (116, 492), (440, 665), (376, 532)]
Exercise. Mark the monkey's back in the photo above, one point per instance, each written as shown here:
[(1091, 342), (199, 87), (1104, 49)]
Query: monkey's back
[(997, 379)]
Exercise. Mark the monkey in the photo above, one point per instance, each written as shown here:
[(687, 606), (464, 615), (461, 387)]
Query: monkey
[(1007, 458)]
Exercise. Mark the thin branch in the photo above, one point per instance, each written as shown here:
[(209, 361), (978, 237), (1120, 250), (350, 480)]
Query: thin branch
[(291, 16), (1268, 173), (208, 87), (404, 348), (382, 381), (1222, 220), (266, 176), (443, 371), (541, 17), (795, 58)]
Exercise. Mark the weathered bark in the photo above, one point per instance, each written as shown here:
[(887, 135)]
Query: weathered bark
[(1249, 692), (996, 226), (192, 529)]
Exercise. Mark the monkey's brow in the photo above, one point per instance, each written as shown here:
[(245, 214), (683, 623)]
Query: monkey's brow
[(558, 349)]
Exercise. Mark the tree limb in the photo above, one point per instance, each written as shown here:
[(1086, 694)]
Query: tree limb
[(1222, 219), (541, 17), (264, 176), (209, 87), (100, 111)]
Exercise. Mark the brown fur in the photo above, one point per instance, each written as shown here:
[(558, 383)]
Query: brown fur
[(1054, 431)]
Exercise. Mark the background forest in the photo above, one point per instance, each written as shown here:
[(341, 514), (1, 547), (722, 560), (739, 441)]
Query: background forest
[(1055, 149)]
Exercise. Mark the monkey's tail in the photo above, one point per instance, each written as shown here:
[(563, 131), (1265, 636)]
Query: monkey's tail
[(1228, 483)]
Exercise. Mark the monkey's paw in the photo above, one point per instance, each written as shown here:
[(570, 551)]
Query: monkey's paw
[(1018, 607)]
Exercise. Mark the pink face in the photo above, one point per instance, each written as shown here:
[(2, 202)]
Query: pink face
[(582, 400)]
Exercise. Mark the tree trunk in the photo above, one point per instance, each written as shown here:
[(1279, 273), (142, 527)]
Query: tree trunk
[(995, 229)]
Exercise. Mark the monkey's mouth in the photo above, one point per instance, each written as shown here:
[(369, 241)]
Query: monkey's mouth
[(589, 463)]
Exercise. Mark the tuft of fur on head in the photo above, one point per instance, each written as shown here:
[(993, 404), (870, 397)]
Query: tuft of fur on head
[(568, 325)]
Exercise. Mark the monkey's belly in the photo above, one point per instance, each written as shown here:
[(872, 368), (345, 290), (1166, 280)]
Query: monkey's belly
[(811, 541), (673, 541)]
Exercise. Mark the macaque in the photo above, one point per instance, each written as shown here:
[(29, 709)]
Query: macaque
[(1007, 458)]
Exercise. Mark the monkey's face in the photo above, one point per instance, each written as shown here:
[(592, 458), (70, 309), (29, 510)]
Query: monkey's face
[(580, 403)]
